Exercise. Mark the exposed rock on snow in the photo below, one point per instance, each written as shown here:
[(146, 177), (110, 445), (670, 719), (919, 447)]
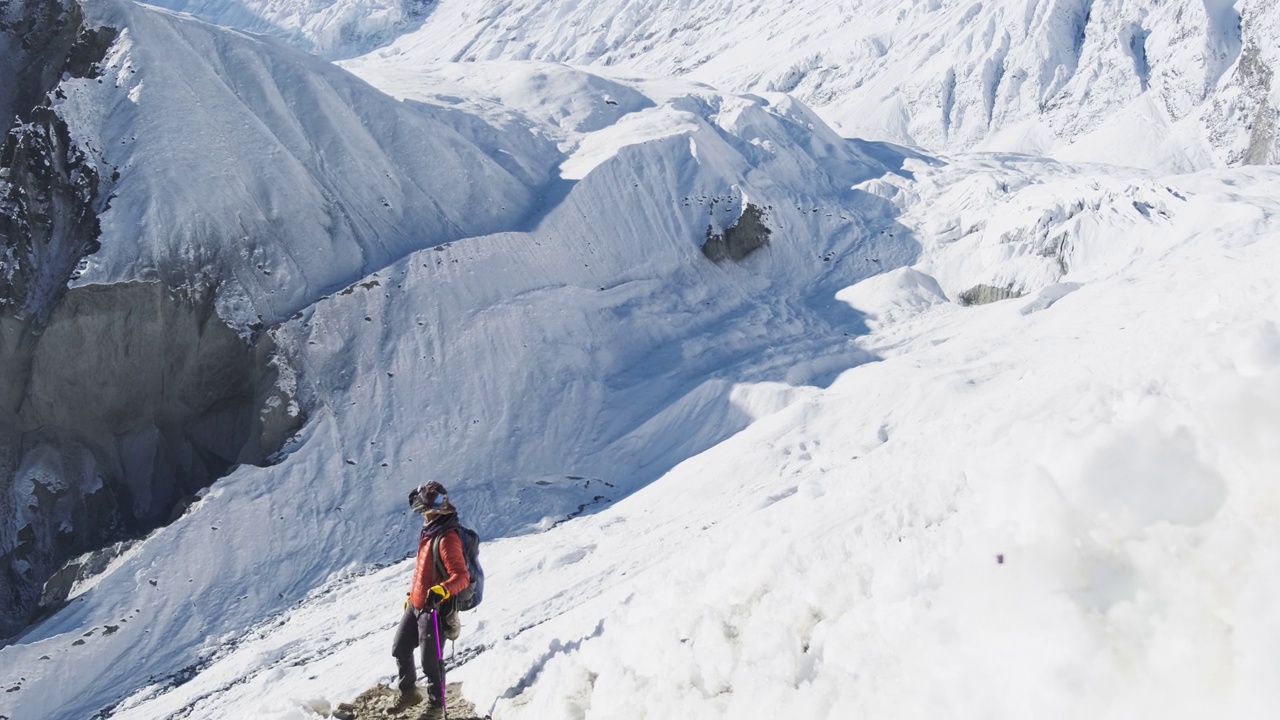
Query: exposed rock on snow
[(130, 400), (43, 40), (382, 703), (985, 294), (57, 588), (1257, 78), (49, 188), (746, 235)]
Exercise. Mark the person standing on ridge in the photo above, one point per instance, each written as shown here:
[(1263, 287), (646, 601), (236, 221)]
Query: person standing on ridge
[(429, 613)]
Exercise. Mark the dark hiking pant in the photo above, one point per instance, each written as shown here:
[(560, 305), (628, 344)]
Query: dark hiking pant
[(418, 630)]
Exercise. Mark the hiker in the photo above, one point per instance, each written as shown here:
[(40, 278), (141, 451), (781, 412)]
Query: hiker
[(430, 612)]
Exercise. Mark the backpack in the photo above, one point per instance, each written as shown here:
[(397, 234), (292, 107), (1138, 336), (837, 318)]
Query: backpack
[(469, 597)]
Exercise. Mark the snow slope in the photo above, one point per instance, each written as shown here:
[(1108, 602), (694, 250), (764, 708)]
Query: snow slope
[(1031, 508), (1066, 512), (245, 165), (542, 371), (1168, 86), (1143, 83), (808, 482), (329, 28)]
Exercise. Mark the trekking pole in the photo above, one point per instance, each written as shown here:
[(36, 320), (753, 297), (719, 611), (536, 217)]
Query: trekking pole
[(444, 703)]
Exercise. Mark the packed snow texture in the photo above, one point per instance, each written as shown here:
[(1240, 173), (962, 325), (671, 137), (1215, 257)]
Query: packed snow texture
[(329, 28), (1142, 83), (810, 483), (247, 166), (1146, 83), (1023, 509), (545, 371)]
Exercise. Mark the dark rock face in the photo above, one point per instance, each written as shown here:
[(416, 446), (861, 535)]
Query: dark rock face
[(1257, 77), (985, 294), (43, 40), (118, 403), (126, 404), (746, 236), (48, 215), (49, 189)]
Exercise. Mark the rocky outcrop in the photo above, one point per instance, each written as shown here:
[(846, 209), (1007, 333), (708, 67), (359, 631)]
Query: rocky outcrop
[(44, 40), (129, 401), (748, 234), (1256, 78), (986, 294), (383, 703), (118, 403), (49, 189)]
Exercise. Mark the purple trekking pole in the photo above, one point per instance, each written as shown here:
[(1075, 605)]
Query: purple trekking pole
[(444, 703)]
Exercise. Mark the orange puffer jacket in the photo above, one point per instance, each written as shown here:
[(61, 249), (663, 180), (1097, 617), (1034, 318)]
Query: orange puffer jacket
[(424, 572)]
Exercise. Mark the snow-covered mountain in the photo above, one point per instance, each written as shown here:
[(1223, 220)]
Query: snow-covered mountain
[(217, 184), (329, 28), (253, 207), (1171, 86), (1146, 83), (756, 417)]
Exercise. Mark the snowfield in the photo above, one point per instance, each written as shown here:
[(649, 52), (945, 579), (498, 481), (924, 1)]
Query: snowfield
[(1058, 505), (827, 480), (1171, 86), (841, 557)]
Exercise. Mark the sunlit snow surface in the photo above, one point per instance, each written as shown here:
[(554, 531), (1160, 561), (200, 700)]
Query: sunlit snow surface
[(1173, 86), (1034, 508), (811, 484), (841, 558)]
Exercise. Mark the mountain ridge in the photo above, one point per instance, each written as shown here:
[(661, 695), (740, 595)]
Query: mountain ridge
[(1079, 80)]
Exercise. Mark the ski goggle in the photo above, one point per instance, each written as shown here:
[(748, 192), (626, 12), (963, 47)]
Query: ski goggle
[(428, 501)]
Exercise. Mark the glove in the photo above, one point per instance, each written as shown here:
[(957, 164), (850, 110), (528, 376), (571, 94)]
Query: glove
[(406, 601), (437, 595)]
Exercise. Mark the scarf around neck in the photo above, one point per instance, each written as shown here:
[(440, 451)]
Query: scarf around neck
[(439, 524)]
